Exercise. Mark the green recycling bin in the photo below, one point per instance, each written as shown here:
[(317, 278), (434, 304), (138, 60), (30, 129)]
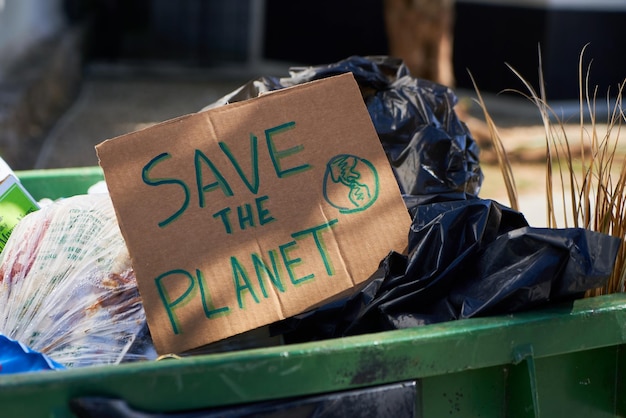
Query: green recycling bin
[(563, 361)]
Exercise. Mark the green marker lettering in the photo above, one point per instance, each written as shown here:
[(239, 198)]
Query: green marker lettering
[(223, 215), (290, 263), (315, 232), (264, 214), (254, 185), (220, 181), (182, 300), (276, 155), (261, 269), (245, 215), (207, 302), (240, 272), (160, 181)]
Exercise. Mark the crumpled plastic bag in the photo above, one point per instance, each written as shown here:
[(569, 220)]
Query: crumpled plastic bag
[(15, 357), (429, 148), (466, 258), (67, 286)]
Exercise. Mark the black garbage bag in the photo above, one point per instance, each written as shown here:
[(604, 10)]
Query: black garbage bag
[(430, 150), (466, 256)]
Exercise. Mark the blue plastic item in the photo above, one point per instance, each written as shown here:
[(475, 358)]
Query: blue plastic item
[(16, 357)]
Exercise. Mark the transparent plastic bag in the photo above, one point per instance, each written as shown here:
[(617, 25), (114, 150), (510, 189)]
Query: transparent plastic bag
[(67, 286)]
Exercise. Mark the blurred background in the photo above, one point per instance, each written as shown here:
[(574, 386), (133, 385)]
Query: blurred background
[(76, 72)]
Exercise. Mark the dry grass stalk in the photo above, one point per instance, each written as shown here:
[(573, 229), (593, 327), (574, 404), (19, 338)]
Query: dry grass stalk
[(590, 182), (503, 160)]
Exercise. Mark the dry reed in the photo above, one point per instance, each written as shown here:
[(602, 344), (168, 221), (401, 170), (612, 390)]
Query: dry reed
[(589, 179)]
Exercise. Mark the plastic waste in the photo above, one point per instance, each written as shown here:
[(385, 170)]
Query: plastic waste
[(15, 357), (467, 256), (429, 148), (67, 286)]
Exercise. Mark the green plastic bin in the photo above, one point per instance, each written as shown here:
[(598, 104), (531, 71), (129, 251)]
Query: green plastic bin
[(565, 361), (59, 182)]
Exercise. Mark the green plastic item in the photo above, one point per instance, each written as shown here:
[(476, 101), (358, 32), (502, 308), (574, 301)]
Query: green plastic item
[(564, 361), (15, 203)]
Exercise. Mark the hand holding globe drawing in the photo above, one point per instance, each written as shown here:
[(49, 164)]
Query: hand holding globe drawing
[(350, 183)]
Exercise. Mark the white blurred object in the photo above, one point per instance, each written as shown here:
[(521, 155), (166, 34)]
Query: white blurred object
[(5, 170), (99, 187)]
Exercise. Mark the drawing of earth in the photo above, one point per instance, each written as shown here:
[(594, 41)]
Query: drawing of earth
[(350, 183)]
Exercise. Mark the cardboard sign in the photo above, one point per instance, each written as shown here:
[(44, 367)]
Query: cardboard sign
[(243, 215)]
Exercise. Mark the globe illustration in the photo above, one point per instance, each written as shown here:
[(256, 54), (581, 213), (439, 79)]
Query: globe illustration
[(350, 183)]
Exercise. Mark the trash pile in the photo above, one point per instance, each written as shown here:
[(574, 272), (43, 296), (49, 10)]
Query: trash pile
[(466, 256), (68, 289)]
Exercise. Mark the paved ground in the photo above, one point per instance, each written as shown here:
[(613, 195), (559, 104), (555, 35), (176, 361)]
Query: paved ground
[(114, 101)]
